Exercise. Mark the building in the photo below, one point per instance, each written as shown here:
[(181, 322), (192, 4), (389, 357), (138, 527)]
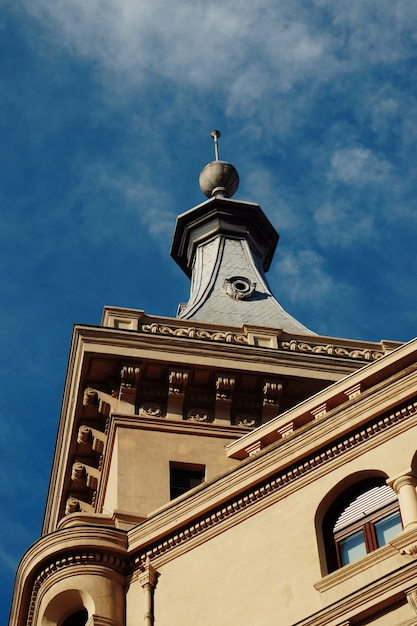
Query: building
[(228, 466)]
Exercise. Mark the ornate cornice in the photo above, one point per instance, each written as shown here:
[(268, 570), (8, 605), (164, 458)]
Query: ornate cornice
[(247, 503), (192, 332), (289, 345)]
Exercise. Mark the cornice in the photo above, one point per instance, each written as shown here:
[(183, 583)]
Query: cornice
[(351, 389), (260, 482)]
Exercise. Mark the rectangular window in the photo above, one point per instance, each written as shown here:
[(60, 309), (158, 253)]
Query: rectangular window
[(184, 476)]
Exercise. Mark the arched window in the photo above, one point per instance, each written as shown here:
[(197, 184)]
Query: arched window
[(361, 519), (76, 619)]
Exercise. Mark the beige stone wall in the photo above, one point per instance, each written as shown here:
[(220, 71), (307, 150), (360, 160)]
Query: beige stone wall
[(139, 477), (264, 569)]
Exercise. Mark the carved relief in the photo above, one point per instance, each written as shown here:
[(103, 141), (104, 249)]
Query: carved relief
[(198, 415), (194, 333), (84, 434), (272, 392), (151, 409), (246, 420), (224, 387), (178, 380), (293, 345), (95, 438), (129, 375), (86, 473), (72, 506), (239, 287), (78, 471), (331, 350), (90, 397)]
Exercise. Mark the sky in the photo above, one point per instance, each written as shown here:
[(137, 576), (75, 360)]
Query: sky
[(106, 111)]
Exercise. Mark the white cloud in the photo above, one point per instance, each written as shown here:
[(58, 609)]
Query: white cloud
[(358, 165)]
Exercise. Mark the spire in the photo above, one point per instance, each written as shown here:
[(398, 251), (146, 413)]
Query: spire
[(225, 246)]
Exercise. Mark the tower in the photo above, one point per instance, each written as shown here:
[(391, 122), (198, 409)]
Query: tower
[(206, 464)]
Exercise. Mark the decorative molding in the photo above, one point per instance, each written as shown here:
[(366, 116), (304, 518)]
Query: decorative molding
[(151, 409), (273, 485), (245, 419), (90, 397), (411, 595), (95, 438), (148, 574), (90, 475), (191, 332), (354, 391), (75, 559), (292, 345), (254, 448), (224, 387), (331, 350), (319, 411), (178, 380), (272, 391), (198, 415), (286, 430), (129, 375), (239, 287), (74, 505)]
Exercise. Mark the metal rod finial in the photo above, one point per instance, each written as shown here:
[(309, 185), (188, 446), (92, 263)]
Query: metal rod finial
[(216, 134)]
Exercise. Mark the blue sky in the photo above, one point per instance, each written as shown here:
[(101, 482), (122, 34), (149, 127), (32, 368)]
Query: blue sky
[(106, 110)]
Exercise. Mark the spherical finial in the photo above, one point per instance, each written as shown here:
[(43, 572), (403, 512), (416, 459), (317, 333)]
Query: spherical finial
[(218, 178)]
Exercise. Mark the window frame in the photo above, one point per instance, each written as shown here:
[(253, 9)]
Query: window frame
[(340, 502), (367, 526)]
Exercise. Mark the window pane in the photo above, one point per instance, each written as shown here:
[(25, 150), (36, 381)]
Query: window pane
[(183, 480), (387, 528), (352, 548)]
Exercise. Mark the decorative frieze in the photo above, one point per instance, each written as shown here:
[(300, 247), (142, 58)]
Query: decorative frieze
[(331, 350), (293, 345), (191, 332)]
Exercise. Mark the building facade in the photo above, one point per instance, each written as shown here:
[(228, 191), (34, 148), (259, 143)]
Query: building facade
[(228, 466)]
